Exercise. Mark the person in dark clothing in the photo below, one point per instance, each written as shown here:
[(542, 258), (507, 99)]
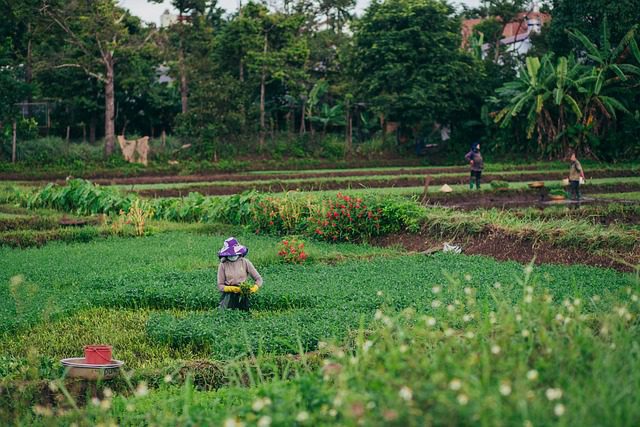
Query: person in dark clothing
[(477, 165)]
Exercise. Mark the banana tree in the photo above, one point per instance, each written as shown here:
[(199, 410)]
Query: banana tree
[(315, 95), (329, 116), (542, 93), (600, 85)]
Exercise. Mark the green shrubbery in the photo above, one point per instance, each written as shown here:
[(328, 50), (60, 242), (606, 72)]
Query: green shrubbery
[(341, 219), (516, 352), (230, 334), (305, 214)]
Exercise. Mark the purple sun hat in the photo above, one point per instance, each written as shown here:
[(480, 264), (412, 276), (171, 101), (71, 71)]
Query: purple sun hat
[(231, 247)]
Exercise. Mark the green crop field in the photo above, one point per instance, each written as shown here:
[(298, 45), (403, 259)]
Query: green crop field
[(402, 173), (356, 334), (154, 300)]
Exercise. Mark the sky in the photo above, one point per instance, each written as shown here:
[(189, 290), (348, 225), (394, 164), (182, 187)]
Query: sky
[(150, 12)]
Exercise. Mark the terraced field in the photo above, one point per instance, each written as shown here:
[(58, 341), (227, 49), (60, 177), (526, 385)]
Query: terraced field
[(535, 321)]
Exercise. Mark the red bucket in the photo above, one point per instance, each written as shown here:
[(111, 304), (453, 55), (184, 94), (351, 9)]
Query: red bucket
[(97, 354)]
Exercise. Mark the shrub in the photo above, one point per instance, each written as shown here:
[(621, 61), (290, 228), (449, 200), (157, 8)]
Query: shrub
[(346, 219), (292, 251)]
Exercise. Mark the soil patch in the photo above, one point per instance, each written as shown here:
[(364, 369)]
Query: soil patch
[(502, 246), (510, 199), (417, 181), (225, 177)]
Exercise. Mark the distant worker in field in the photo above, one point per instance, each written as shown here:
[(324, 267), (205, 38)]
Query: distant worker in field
[(576, 174), (477, 164), (233, 271)]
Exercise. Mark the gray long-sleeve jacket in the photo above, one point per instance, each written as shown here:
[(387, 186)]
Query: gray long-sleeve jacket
[(234, 273)]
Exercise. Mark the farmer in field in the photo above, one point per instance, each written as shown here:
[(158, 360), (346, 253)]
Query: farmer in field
[(234, 269), (576, 173), (477, 164)]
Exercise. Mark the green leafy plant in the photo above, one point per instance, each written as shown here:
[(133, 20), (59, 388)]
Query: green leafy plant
[(496, 184)]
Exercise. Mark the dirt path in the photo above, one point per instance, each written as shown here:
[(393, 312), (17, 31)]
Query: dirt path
[(504, 247), (225, 177), (417, 181), (511, 199)]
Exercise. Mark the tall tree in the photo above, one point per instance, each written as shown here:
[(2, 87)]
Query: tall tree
[(408, 63), (97, 32), (587, 16), (188, 10), (270, 51), (13, 89)]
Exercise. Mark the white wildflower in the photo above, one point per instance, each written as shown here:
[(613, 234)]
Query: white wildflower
[(525, 333), (495, 349), (302, 416), (463, 399), (257, 405), (406, 393), (455, 384), (622, 311), (367, 345), (436, 289), (142, 389), (559, 409), (450, 308), (532, 375), (553, 393), (431, 321), (232, 422), (497, 285), (435, 303), (467, 277), (505, 388), (264, 421)]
